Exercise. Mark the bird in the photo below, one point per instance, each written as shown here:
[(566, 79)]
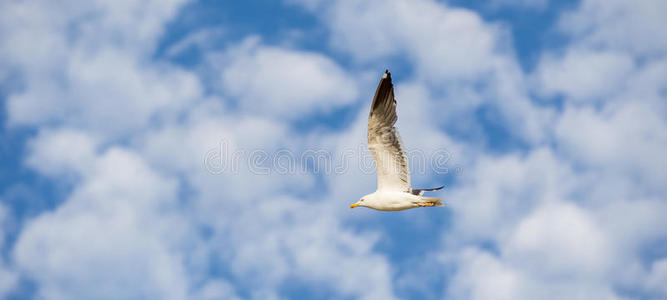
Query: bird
[(393, 175)]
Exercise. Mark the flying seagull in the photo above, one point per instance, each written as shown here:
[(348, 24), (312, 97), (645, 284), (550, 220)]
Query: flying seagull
[(394, 192)]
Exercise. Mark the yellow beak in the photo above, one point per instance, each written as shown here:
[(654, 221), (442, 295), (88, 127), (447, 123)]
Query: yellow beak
[(354, 205)]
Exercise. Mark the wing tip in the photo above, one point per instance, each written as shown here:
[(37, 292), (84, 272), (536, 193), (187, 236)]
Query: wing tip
[(386, 74), (385, 88)]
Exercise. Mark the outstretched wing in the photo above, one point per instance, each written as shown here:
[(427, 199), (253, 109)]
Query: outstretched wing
[(384, 142)]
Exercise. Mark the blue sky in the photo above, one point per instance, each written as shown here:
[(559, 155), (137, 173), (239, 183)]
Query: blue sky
[(546, 121)]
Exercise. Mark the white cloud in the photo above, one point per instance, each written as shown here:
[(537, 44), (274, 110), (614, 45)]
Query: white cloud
[(424, 31), (624, 139), (101, 89), (40, 31), (484, 277), (554, 229), (124, 217), (466, 62), (496, 192), (566, 188), (560, 239), (284, 83), (248, 222), (310, 247), (202, 38), (633, 26), (616, 141), (217, 290), (658, 276), (116, 236), (133, 229), (90, 72), (8, 279), (585, 75), (62, 152)]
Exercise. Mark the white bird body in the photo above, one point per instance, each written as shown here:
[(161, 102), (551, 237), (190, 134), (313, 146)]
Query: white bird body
[(391, 200), (394, 192), (395, 201)]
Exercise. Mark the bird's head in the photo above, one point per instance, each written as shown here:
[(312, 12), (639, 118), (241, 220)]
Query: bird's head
[(366, 201), (361, 202)]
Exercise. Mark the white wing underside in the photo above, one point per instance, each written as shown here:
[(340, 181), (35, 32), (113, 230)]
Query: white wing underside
[(384, 142)]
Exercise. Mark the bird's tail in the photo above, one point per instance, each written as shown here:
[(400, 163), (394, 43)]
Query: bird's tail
[(430, 201), (420, 192)]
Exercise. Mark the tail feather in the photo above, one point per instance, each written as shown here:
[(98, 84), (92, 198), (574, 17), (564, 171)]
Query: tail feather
[(420, 192), (430, 201)]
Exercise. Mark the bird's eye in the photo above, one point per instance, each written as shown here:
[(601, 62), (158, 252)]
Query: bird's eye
[(362, 200)]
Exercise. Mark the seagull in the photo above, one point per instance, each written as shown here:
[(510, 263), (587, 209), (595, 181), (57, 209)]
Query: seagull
[(393, 192)]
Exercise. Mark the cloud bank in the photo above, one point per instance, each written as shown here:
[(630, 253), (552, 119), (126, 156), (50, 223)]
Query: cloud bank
[(561, 193)]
